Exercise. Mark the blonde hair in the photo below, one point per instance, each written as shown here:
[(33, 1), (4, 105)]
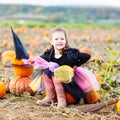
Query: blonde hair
[(59, 29)]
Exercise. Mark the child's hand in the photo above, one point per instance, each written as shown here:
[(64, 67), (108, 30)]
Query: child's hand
[(29, 61), (37, 61)]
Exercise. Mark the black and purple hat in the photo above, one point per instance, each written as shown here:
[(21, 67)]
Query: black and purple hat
[(20, 51)]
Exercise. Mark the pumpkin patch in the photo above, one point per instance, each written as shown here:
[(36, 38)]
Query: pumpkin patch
[(105, 64)]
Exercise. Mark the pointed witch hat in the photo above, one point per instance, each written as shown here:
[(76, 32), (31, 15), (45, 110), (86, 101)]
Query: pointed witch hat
[(20, 51)]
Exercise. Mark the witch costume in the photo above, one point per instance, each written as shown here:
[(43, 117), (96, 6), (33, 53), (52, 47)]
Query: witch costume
[(76, 80)]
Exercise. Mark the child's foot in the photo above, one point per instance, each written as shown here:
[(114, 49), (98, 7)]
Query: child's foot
[(61, 98), (62, 102), (49, 98), (45, 101)]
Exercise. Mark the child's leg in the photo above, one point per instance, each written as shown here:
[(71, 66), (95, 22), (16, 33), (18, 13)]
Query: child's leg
[(60, 94), (50, 92)]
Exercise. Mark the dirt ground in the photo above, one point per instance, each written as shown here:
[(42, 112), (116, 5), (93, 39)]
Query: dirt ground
[(24, 107)]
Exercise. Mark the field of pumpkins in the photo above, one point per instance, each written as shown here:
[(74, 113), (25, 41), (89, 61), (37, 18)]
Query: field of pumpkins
[(18, 101)]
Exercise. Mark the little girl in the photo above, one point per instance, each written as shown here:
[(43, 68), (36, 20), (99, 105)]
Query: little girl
[(61, 54)]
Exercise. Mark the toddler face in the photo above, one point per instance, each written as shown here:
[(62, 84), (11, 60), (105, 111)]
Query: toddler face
[(58, 40)]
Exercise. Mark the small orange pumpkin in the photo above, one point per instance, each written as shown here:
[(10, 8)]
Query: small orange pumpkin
[(86, 50), (98, 78), (69, 98), (6, 57), (17, 61), (8, 53), (118, 107), (96, 57), (23, 70), (20, 68), (2, 89), (20, 85), (6, 60), (109, 38), (92, 97)]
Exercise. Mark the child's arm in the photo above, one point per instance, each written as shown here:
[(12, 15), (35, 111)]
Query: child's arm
[(82, 58), (78, 58)]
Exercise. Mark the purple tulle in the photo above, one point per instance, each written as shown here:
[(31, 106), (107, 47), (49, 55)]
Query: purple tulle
[(53, 66), (41, 88)]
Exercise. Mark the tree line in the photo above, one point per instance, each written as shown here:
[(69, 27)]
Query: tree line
[(67, 14)]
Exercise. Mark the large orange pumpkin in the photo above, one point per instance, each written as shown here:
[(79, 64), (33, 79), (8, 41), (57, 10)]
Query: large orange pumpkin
[(20, 85), (92, 97), (2, 89)]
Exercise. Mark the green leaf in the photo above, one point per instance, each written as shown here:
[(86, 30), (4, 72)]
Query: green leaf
[(114, 53)]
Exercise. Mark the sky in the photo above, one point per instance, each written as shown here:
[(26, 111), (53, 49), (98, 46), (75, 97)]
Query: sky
[(112, 3)]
